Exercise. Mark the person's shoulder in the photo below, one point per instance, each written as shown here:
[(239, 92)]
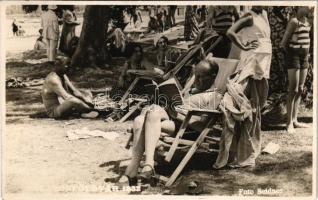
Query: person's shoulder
[(307, 22), (51, 14), (294, 20), (52, 78), (247, 17)]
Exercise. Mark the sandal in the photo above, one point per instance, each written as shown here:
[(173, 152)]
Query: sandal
[(147, 174), (194, 188)]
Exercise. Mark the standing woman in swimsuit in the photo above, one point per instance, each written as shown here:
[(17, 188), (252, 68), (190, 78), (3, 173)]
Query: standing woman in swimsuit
[(296, 43)]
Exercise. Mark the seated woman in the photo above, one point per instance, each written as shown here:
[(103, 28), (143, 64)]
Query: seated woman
[(162, 45), (61, 98), (134, 65), (154, 119)]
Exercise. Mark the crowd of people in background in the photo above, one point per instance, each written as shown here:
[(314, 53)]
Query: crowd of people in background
[(51, 33)]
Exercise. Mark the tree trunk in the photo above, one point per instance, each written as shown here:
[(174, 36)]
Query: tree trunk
[(91, 48)]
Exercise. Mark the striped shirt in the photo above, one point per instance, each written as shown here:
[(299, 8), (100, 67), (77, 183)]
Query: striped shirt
[(300, 37), (223, 20)]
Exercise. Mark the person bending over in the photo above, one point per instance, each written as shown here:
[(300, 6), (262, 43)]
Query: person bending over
[(154, 119), (61, 98)]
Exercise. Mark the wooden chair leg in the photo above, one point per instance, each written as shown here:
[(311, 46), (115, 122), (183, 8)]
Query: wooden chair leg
[(190, 153), (178, 137), (131, 137), (134, 108), (131, 87)]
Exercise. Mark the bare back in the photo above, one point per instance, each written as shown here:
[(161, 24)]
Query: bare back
[(49, 93)]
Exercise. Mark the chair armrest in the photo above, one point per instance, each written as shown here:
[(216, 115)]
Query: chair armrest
[(198, 110), (147, 75)]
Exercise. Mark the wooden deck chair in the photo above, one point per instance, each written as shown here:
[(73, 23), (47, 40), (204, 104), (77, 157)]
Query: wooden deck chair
[(204, 47), (226, 68)]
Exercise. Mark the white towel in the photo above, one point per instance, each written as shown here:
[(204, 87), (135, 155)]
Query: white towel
[(75, 134)]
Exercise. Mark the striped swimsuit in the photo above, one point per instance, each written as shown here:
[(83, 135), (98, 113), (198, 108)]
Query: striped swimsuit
[(298, 51), (300, 38), (223, 20)]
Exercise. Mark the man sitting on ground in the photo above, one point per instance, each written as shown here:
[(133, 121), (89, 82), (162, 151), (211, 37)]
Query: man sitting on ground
[(153, 120), (62, 99), (40, 44)]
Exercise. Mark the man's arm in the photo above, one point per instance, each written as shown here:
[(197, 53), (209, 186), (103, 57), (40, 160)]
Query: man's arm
[(210, 17), (76, 92), (236, 14), (58, 88), (240, 24), (146, 72), (56, 25), (292, 25), (121, 81)]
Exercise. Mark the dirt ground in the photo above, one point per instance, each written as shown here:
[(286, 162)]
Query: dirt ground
[(39, 158)]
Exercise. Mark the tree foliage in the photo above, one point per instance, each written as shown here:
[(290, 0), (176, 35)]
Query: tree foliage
[(29, 8), (33, 8)]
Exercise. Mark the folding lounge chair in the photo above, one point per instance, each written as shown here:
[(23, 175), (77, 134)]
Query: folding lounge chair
[(227, 67), (204, 47)]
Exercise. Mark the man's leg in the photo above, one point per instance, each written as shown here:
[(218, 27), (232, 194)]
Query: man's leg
[(173, 13), (70, 106), (87, 94), (48, 49), (53, 46)]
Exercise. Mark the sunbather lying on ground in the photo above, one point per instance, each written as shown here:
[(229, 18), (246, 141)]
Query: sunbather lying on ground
[(135, 66), (154, 119), (61, 98)]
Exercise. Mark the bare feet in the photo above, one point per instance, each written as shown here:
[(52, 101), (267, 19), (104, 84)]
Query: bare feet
[(290, 128), (300, 125), (90, 115)]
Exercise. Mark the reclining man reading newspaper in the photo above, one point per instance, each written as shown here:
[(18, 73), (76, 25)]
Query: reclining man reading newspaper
[(154, 119)]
